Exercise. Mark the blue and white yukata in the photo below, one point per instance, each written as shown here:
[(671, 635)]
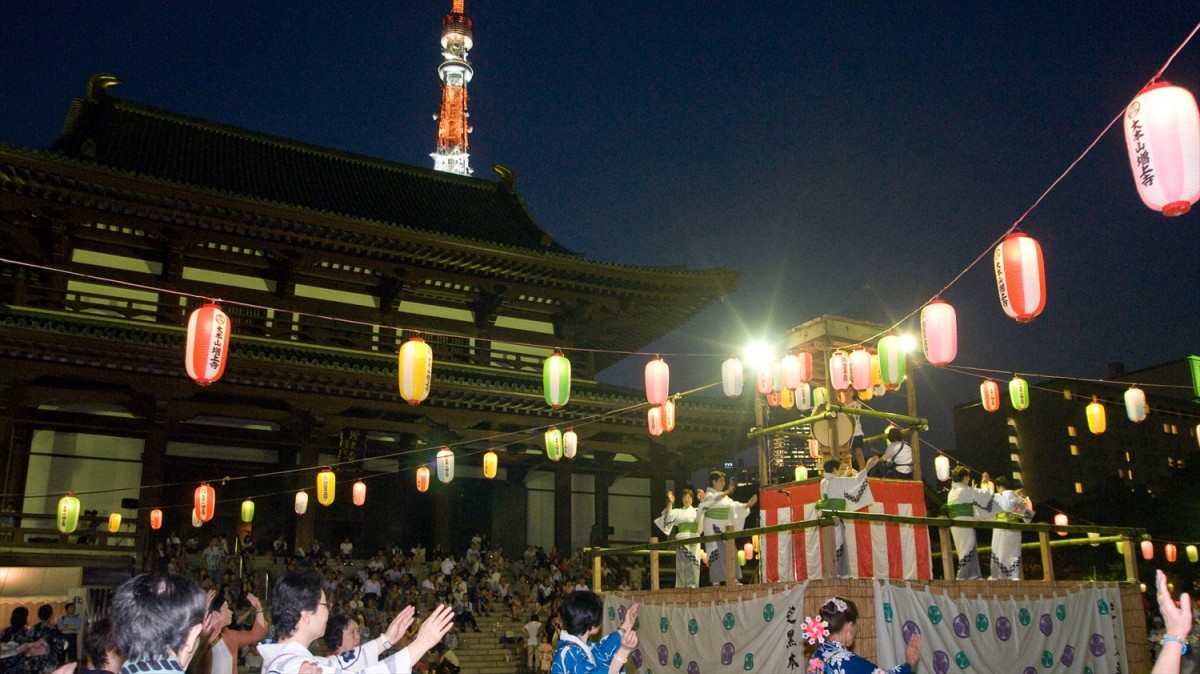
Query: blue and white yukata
[(851, 493), (1006, 544), (967, 503), (576, 656), (687, 557), (837, 659)]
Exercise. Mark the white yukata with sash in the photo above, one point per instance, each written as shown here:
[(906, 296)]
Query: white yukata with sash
[(718, 511), (849, 494), (1006, 544), (687, 557), (967, 503)]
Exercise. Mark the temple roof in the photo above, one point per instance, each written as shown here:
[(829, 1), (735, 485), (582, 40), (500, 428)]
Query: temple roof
[(150, 141)]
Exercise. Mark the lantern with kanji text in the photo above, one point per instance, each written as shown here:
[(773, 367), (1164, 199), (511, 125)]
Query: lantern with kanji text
[(571, 441), (326, 487), (839, 370), (554, 443), (445, 465), (1162, 135), (415, 373), (1020, 277), (67, 515), (1018, 393), (204, 500), (423, 479), (989, 394), (491, 464), (207, 344)]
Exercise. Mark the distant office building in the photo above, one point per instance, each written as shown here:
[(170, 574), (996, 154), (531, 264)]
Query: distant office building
[(1050, 449)]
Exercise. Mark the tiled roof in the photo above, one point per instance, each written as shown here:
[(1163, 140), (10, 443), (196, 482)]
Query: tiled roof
[(152, 142)]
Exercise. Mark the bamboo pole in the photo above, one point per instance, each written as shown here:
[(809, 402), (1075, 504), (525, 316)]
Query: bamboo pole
[(947, 559), (1047, 558), (654, 584)]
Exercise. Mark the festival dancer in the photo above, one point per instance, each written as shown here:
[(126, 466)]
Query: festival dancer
[(718, 511), (685, 519)]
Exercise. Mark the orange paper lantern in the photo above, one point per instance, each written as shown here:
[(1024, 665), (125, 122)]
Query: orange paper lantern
[(156, 519), (423, 479), (358, 494), (204, 500)]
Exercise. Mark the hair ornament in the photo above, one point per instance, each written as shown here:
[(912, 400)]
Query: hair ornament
[(815, 630), (838, 604)]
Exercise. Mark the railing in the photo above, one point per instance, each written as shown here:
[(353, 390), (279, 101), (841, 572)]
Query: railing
[(272, 324), (655, 548), (91, 534)]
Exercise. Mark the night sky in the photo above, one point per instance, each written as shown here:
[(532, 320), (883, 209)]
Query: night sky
[(848, 158)]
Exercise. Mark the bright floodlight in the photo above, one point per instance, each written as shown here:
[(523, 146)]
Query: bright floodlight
[(758, 355), (908, 343)]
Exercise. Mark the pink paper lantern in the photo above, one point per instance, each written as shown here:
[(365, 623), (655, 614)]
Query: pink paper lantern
[(790, 368), (1162, 135), (839, 370), (763, 381), (1020, 277), (658, 380), (860, 369), (939, 332), (656, 422), (1061, 520)]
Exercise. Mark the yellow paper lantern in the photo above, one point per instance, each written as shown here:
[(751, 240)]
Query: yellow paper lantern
[(415, 370), (359, 493), (156, 519), (491, 463), (114, 522), (326, 487), (1095, 417), (67, 517), (247, 511)]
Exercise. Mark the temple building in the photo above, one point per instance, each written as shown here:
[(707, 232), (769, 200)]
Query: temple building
[(326, 262)]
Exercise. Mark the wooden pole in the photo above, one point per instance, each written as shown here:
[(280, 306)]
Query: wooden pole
[(654, 584), (947, 556), (1131, 572), (1047, 558), (731, 565), (596, 573)]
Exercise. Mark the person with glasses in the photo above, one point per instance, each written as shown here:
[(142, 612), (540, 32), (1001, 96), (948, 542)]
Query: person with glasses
[(299, 614)]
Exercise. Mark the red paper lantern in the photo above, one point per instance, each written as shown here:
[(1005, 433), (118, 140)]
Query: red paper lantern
[(839, 370), (156, 519), (1162, 135), (939, 332), (731, 377), (860, 369), (1170, 552), (415, 372), (989, 393), (1020, 277), (773, 399), (806, 366), (207, 344), (358, 494), (205, 502), (658, 380), (423, 479)]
